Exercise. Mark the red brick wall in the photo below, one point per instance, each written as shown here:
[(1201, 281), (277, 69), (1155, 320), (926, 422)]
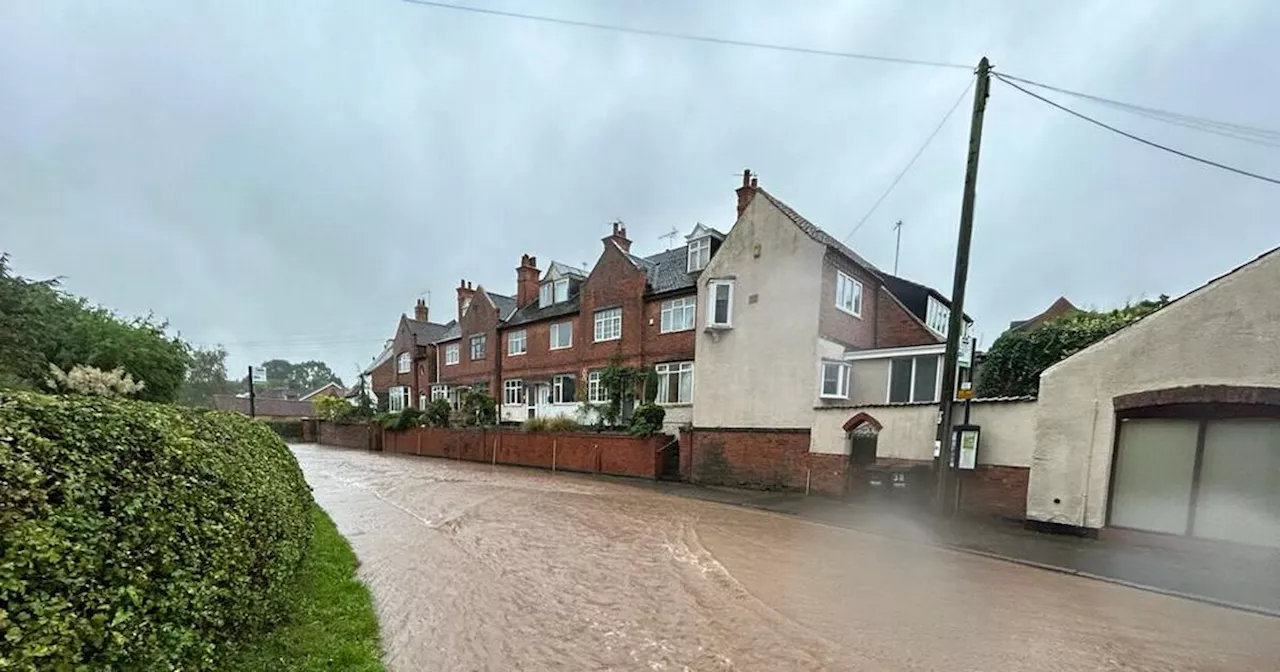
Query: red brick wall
[(481, 318), (383, 377), (347, 436), (895, 326), (614, 282), (995, 490), (770, 459), (540, 358), (619, 455), (835, 324), (671, 347)]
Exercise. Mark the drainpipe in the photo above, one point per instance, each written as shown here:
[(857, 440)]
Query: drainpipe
[(1088, 467)]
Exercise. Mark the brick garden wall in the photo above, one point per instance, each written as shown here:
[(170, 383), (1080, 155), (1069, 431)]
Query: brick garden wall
[(618, 455), (774, 459), (363, 437), (995, 491)]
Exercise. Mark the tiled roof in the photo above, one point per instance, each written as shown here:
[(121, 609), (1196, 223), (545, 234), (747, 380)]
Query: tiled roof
[(532, 313), (560, 268), (425, 333), (816, 233), (668, 272), (506, 304), (452, 333), (914, 295)]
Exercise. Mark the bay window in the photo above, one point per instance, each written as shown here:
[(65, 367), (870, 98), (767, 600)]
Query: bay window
[(398, 398)]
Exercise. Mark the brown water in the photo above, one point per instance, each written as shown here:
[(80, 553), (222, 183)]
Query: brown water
[(476, 567)]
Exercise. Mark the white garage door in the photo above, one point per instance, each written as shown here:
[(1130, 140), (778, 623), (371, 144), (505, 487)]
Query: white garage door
[(1236, 497)]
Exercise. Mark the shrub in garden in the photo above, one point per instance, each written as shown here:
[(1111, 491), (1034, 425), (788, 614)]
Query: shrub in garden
[(436, 414), (401, 420), (141, 536), (563, 424), (538, 424), (331, 408), (647, 419)]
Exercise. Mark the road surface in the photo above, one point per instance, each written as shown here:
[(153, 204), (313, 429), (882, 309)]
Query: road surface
[(475, 567)]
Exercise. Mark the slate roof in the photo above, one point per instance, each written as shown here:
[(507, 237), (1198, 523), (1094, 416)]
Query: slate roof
[(532, 313), (425, 333), (452, 333), (914, 295), (816, 233), (667, 272), (506, 304)]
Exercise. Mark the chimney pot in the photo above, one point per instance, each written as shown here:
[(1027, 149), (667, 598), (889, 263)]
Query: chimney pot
[(746, 177)]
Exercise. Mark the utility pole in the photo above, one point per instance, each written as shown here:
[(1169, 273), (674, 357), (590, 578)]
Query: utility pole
[(955, 326), (897, 247), (252, 410)]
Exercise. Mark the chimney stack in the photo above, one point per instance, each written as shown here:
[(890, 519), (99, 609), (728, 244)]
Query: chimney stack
[(527, 281), (748, 189), (464, 292), (420, 311), (619, 236)]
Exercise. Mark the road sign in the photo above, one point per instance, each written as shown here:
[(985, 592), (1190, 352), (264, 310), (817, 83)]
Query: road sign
[(259, 375)]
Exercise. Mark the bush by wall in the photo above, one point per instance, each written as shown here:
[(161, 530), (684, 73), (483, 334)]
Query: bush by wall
[(140, 536)]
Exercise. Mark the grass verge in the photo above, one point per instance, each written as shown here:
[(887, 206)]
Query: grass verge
[(331, 624)]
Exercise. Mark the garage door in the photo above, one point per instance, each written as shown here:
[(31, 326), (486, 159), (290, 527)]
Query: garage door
[(1231, 493)]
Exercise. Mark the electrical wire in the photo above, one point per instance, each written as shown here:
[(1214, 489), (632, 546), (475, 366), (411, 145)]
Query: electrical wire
[(690, 37), (910, 163), (1253, 134), (1140, 139)]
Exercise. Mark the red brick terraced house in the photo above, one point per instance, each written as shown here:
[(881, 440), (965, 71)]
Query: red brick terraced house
[(791, 322), (467, 354), (570, 325), (404, 374)]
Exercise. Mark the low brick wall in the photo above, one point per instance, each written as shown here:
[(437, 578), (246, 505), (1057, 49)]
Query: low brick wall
[(772, 459), (614, 454), (364, 437), (995, 491)]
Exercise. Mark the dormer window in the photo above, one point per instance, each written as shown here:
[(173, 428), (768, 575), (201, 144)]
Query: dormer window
[(699, 253), (937, 317), (553, 291)]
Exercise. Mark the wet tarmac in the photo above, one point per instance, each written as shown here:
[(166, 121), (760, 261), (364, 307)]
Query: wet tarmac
[(476, 567)]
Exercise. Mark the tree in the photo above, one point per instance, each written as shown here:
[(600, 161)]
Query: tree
[(207, 377), (1016, 360), (301, 378)]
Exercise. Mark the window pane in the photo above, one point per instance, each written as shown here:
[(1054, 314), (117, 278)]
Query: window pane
[(831, 379), (544, 295), (562, 290), (686, 385), (926, 378), (721, 309), (900, 380)]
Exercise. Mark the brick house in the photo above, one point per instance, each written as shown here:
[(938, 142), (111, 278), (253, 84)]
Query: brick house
[(405, 372), (570, 324), (466, 355), (792, 321)]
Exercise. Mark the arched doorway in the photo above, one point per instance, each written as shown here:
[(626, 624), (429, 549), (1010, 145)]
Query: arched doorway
[(861, 432)]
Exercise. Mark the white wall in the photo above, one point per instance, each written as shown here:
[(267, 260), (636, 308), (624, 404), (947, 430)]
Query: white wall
[(676, 417), (1226, 333), (908, 431), (763, 371)]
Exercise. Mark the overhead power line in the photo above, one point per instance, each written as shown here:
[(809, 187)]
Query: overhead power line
[(1140, 139), (910, 163), (1253, 134), (690, 37)]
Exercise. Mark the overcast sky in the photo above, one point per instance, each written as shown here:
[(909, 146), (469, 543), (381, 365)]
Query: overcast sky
[(287, 178)]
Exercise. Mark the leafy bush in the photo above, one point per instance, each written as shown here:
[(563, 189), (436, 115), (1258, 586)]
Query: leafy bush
[(478, 409), (402, 420), (563, 424), (1016, 359), (538, 424), (141, 536), (647, 419), (437, 413), (331, 408)]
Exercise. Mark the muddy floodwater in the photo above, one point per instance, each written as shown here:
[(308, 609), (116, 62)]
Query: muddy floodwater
[(476, 567)]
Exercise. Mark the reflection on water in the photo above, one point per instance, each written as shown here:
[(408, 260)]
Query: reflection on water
[(476, 567)]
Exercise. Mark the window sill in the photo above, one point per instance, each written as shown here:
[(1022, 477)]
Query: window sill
[(606, 340), (718, 327), (678, 404), (563, 347), (833, 397), (846, 311), (516, 354), (675, 331)]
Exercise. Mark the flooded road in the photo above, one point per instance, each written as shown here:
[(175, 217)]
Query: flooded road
[(476, 567)]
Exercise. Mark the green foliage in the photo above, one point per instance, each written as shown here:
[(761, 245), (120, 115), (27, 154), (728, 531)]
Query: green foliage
[(1016, 360), (402, 420), (538, 424), (302, 377), (41, 325), (478, 409), (90, 380), (647, 419), (328, 625), (141, 536), (331, 408), (207, 377), (437, 413), (558, 423), (620, 383)]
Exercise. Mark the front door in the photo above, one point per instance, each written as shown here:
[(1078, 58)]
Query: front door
[(544, 398), (531, 399)]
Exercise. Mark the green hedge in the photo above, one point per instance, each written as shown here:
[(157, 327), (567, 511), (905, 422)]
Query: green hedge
[(140, 536)]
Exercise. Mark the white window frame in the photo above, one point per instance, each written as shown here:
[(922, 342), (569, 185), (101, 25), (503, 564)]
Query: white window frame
[(608, 325), (545, 295), (683, 309), (711, 304), (398, 398), (557, 388), (423, 400), (911, 394), (937, 317), (561, 290), (848, 294), (478, 342), (404, 363), (513, 392), (451, 354), (518, 338), (555, 330), (844, 373), (667, 370), (596, 394), (699, 254), (439, 392)]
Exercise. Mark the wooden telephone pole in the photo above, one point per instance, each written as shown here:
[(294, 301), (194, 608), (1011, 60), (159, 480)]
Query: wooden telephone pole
[(955, 327)]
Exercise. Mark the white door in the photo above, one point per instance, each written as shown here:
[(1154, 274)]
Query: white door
[(1239, 495), (1155, 466)]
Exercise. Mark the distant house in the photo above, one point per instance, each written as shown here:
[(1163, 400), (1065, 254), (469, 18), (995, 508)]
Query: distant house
[(277, 409), (1057, 310), (330, 389), (405, 371)]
